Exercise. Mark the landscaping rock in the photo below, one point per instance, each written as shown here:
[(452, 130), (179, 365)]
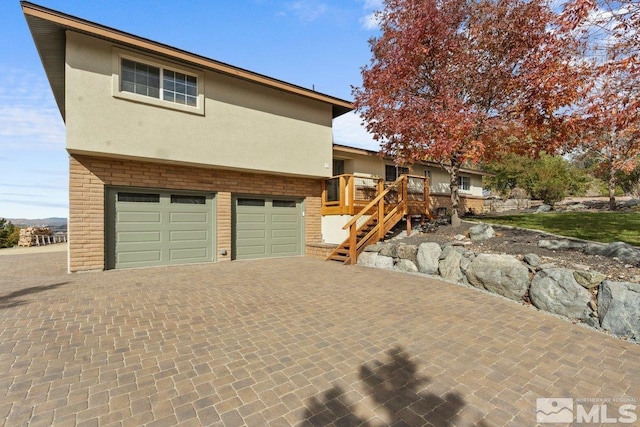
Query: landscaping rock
[(374, 248), (631, 203), (619, 308), (407, 252), (449, 267), (560, 244), (389, 249), (501, 274), (575, 207), (589, 279), (543, 208), (533, 260), (448, 247), (427, 257), (555, 290), (623, 251), (385, 262), (481, 232), (406, 266), (367, 259)]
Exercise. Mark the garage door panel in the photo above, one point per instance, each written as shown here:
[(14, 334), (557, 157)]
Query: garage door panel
[(252, 251), (139, 217), (189, 235), (141, 256), (252, 218), (188, 254), (286, 234), (138, 236), (284, 250), (188, 217)]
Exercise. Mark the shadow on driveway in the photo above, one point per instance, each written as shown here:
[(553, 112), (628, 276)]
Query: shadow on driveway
[(393, 387), (12, 299)]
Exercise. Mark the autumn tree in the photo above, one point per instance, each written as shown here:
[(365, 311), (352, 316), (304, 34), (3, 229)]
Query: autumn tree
[(608, 118), (448, 79)]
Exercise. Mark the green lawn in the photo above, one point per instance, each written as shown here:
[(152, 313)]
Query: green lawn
[(603, 227)]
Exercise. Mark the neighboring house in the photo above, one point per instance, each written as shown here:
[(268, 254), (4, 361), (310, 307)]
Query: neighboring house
[(351, 160), (176, 158)]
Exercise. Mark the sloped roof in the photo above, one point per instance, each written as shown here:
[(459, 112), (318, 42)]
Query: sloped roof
[(48, 28)]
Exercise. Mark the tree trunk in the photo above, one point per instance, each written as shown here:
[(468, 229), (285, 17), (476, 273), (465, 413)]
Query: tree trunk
[(455, 196), (612, 189)]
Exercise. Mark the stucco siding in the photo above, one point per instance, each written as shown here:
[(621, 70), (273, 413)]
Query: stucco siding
[(242, 125), (375, 165)]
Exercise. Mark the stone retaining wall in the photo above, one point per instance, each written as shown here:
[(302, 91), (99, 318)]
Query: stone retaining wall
[(579, 295)]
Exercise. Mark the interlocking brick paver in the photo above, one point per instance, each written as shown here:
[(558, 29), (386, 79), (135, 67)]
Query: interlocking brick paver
[(284, 342)]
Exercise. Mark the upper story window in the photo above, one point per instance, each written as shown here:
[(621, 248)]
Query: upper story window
[(151, 81)]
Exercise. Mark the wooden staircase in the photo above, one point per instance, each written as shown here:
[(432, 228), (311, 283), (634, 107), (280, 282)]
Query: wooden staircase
[(383, 217)]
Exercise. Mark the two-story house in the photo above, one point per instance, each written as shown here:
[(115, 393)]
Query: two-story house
[(176, 158)]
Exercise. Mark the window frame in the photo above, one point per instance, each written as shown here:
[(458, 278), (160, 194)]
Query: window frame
[(119, 55), (461, 182), (398, 170)]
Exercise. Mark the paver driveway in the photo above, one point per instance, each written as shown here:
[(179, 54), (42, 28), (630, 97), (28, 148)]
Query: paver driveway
[(284, 342)]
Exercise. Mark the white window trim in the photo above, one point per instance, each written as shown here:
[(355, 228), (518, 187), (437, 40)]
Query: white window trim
[(460, 187), (119, 54)]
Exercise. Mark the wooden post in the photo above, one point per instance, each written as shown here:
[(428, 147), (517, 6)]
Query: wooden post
[(353, 244), (342, 195), (352, 194)]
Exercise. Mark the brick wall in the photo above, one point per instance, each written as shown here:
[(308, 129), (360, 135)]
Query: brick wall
[(466, 203), (89, 175)]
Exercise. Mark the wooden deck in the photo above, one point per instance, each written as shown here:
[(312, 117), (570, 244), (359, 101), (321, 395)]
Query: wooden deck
[(348, 194)]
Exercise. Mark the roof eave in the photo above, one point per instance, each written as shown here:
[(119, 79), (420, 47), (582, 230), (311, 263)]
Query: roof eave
[(48, 29)]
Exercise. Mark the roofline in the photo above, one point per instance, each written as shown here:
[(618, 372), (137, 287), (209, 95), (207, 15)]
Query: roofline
[(69, 22), (366, 152)]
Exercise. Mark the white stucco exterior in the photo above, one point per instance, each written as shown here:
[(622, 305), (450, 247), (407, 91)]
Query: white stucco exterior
[(238, 124)]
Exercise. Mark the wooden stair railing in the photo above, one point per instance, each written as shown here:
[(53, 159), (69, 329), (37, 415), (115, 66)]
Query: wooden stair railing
[(376, 227)]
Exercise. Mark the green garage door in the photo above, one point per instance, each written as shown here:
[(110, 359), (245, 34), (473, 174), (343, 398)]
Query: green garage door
[(267, 227), (149, 227)]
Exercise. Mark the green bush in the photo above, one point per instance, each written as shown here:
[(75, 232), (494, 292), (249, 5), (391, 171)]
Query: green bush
[(9, 234)]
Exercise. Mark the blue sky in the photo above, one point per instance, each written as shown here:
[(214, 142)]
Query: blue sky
[(319, 44)]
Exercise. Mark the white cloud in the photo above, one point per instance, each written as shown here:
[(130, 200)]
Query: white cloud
[(29, 117), (371, 21), (349, 130), (307, 10), (31, 128)]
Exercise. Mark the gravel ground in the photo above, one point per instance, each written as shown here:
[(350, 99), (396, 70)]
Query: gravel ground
[(515, 241)]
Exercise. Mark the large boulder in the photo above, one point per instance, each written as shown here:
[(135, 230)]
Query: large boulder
[(385, 262), (408, 252), (449, 267), (406, 266), (623, 251), (367, 259), (427, 257), (619, 308), (389, 250), (555, 290), (481, 232), (543, 208), (500, 274)]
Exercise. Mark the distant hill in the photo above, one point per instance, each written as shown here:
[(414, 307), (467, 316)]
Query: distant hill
[(55, 223)]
